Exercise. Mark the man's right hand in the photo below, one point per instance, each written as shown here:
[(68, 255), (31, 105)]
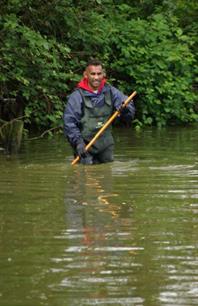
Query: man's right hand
[(80, 149)]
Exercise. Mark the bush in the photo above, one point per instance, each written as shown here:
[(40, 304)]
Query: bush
[(154, 57), (43, 56)]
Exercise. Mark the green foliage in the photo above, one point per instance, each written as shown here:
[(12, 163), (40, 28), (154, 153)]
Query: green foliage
[(147, 46), (155, 56), (33, 67)]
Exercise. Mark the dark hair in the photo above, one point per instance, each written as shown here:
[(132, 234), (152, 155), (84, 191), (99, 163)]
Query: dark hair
[(94, 62)]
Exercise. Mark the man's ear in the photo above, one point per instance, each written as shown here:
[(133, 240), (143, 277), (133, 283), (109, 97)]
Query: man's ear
[(85, 74)]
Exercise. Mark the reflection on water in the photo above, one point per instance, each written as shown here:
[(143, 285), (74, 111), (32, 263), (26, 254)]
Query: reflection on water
[(123, 233)]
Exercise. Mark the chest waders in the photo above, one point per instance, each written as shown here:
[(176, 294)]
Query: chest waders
[(93, 119)]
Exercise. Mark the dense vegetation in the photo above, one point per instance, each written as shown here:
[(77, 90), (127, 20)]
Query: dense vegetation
[(149, 46)]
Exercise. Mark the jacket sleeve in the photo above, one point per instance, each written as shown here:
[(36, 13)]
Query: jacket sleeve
[(71, 117), (118, 98)]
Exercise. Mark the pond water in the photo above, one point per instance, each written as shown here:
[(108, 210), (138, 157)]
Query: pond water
[(123, 233)]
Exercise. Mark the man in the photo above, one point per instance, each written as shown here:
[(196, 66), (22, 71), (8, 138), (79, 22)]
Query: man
[(88, 108)]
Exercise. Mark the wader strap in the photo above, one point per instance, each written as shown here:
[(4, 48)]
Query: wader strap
[(87, 100)]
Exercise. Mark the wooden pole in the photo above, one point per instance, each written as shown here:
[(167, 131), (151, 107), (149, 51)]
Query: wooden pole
[(105, 126)]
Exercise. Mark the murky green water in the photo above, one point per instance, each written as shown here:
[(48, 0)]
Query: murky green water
[(124, 233)]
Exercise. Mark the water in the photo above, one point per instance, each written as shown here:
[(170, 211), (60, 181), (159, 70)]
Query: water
[(123, 233)]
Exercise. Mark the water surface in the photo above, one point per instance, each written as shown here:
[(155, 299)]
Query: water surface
[(123, 233)]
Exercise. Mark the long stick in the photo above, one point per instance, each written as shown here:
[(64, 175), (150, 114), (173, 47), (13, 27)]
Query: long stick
[(109, 121)]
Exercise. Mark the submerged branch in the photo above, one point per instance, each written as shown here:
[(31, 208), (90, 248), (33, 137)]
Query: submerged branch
[(44, 133)]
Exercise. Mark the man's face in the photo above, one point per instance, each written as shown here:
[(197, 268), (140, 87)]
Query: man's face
[(95, 75)]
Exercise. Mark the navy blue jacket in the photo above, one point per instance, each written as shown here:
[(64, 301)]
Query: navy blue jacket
[(74, 110)]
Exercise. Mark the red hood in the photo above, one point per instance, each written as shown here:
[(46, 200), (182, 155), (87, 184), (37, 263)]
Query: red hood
[(84, 85)]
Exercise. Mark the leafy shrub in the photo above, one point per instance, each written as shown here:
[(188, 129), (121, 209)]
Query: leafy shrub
[(44, 47), (153, 56)]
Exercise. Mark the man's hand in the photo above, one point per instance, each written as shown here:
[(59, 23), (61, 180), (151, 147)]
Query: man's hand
[(80, 149)]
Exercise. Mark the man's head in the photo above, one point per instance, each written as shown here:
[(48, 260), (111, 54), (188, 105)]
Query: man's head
[(94, 73)]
